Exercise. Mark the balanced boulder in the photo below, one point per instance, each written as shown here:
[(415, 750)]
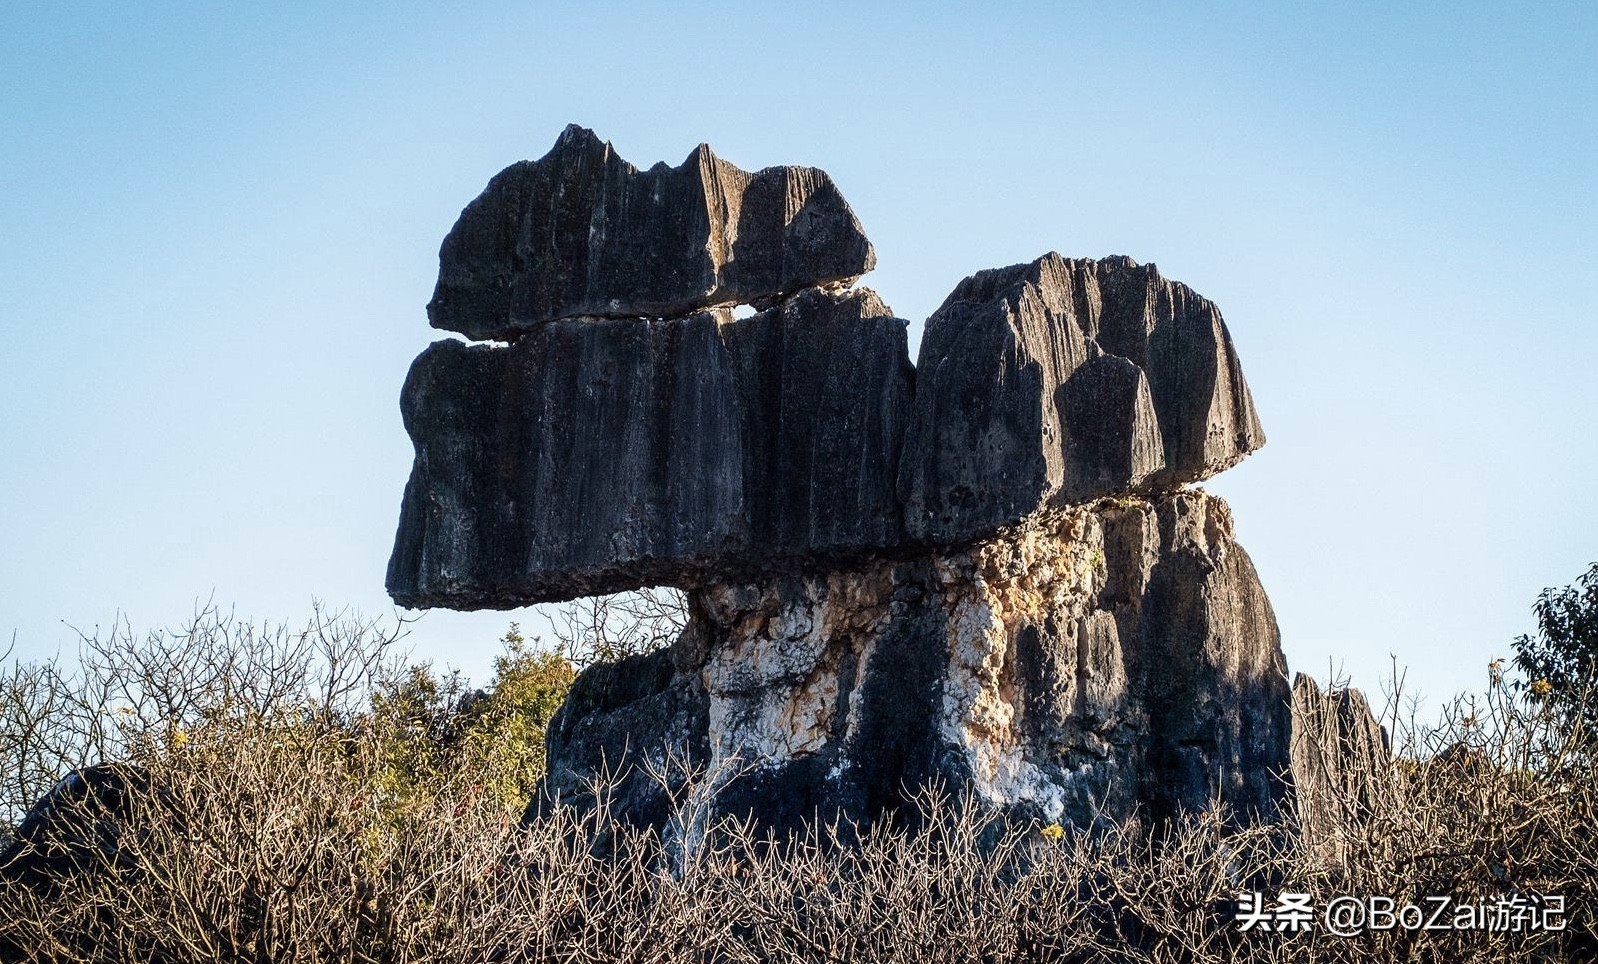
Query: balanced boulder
[(1060, 381), (983, 572)]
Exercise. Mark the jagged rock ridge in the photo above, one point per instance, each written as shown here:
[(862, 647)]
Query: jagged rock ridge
[(581, 232), (598, 455)]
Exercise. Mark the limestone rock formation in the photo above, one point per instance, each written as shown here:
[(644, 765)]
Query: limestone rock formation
[(598, 455), (983, 571), (1055, 382), (581, 232), (1103, 658)]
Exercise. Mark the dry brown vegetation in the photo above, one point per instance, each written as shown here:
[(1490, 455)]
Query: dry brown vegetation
[(300, 796)]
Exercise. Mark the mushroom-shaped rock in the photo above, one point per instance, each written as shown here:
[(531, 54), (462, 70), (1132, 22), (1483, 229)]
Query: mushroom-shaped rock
[(1063, 380), (599, 455), (581, 232)]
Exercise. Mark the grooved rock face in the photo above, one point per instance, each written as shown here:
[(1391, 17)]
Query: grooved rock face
[(581, 232), (598, 455), (1059, 381), (1098, 660), (980, 571)]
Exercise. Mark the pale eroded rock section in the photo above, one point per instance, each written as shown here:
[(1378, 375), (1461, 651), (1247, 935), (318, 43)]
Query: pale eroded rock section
[(598, 455), (1095, 661), (581, 232), (1339, 755), (1062, 380), (1115, 655)]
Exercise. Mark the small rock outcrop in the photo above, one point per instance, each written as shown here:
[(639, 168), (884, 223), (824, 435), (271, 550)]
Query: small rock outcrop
[(985, 571), (582, 233), (1339, 753), (75, 828)]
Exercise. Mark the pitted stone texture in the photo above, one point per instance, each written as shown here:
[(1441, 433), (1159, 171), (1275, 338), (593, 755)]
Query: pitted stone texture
[(1111, 657), (599, 455), (1055, 382), (1092, 663), (581, 232)]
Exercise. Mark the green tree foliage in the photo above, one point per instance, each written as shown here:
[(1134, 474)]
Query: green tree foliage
[(1561, 661), (431, 732), (503, 730)]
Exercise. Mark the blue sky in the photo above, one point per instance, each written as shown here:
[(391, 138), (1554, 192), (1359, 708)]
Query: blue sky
[(221, 224)]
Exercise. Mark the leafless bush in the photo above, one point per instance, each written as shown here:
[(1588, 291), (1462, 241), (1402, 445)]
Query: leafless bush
[(38, 736), (598, 629), (266, 828), (127, 689)]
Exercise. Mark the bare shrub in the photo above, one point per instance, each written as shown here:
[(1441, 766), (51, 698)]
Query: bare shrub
[(126, 690), (268, 825), (598, 629)]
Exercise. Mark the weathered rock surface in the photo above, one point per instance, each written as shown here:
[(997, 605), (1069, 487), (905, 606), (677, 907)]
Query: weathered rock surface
[(1098, 659), (598, 455), (1339, 753), (980, 571), (581, 232), (1055, 382)]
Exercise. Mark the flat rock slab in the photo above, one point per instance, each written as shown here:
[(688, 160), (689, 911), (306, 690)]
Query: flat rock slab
[(581, 232), (598, 455), (1063, 380)]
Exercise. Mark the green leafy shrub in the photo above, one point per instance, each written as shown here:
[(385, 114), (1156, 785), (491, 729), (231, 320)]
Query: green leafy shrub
[(502, 731), (432, 731)]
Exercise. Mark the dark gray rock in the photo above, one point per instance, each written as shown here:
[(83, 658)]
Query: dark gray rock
[(598, 455), (76, 828), (87, 825), (1112, 437), (622, 725), (1091, 664), (581, 232), (897, 576), (1058, 381)]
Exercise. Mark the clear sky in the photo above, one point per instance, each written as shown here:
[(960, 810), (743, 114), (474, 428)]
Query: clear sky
[(219, 224)]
